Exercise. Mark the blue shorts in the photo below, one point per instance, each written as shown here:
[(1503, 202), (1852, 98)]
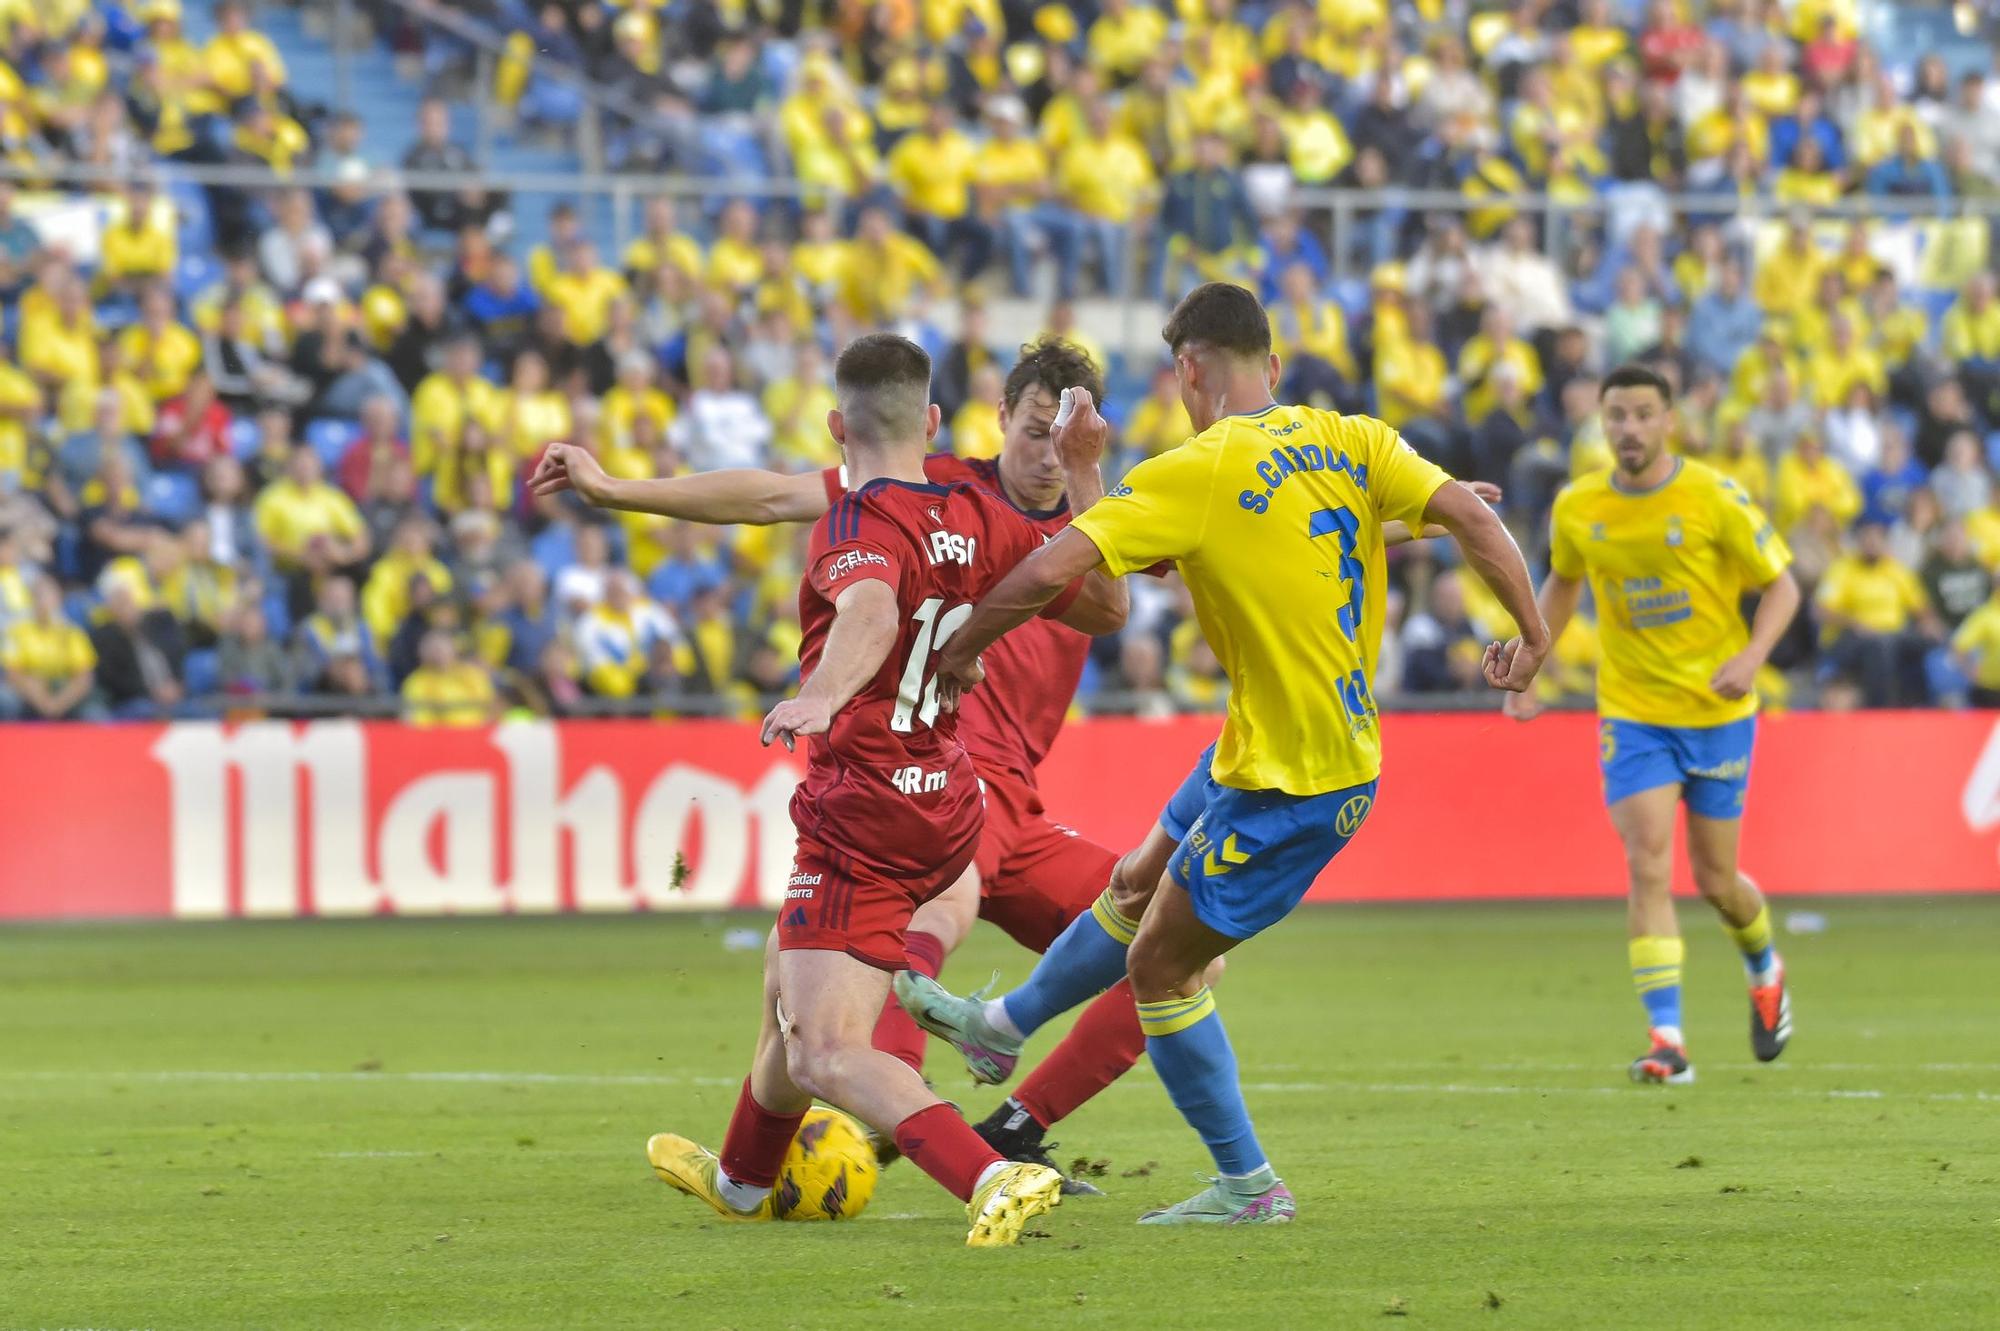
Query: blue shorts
[(1247, 856), (1711, 764)]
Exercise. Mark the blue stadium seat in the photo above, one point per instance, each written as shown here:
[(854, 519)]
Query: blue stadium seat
[(173, 497), (245, 437), (203, 672), (331, 439), (193, 273), (78, 606), (277, 614), (1993, 449)]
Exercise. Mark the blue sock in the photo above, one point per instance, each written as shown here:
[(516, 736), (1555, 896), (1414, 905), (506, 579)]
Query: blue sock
[(1085, 960), (1191, 1054)]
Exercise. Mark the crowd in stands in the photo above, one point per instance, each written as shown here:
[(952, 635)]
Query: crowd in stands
[(262, 448)]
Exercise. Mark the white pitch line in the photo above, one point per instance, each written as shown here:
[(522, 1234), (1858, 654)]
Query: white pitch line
[(628, 1079)]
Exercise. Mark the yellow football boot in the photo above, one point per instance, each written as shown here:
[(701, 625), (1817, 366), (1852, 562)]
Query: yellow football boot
[(1006, 1202), (695, 1170)]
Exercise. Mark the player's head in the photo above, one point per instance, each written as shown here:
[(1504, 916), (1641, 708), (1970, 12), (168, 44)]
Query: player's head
[(1220, 338), (882, 384), (1637, 405), (1028, 463)]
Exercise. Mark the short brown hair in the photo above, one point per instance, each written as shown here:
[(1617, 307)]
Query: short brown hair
[(883, 383), (1635, 375), (1223, 316), (1053, 364)]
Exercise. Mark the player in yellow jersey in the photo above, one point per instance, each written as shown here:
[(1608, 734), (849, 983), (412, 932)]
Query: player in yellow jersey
[(1274, 515), (1669, 547)]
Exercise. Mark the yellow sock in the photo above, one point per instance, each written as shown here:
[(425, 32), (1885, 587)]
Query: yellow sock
[(1754, 940), (1656, 974)]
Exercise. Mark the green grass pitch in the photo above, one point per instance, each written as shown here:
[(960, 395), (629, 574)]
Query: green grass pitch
[(440, 1124)]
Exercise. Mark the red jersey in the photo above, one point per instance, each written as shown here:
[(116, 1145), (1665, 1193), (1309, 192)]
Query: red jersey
[(1032, 672), (890, 783)]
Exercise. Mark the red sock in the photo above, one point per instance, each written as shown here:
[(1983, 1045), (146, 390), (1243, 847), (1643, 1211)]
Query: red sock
[(895, 1033), (757, 1141), (1105, 1041), (944, 1146)]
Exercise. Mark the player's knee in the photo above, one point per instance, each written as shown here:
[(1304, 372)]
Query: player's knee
[(1213, 974), (1131, 888)]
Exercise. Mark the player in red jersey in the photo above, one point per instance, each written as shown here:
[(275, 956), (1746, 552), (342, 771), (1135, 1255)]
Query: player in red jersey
[(1031, 876), (890, 810)]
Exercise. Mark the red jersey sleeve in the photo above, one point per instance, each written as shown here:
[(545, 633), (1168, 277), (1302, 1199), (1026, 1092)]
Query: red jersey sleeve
[(851, 544), (835, 480), (1015, 537)]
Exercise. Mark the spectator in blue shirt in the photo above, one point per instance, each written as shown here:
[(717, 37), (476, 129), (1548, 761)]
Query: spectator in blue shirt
[(1807, 121), (1908, 175), (1206, 213), (1285, 243), (1724, 322), (502, 308)]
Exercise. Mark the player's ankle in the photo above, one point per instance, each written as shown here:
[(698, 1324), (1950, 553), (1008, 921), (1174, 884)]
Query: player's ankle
[(1253, 1184), (1001, 1021), (1014, 1121), (743, 1198)]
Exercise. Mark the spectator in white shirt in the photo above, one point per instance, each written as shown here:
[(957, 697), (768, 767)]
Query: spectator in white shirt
[(721, 426)]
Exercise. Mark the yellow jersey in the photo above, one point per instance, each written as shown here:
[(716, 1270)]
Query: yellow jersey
[(1276, 521), (461, 695), (1882, 597), (288, 517), (1668, 568), (54, 653), (1979, 638)]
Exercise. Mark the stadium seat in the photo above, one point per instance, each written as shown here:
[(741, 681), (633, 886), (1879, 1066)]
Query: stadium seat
[(194, 273), (202, 672), (79, 605), (173, 497), (245, 437), (331, 439)]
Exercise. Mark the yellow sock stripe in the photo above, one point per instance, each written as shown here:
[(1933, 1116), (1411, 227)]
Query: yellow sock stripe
[(1175, 1014), (1653, 950), (1754, 936), (1646, 984), (1111, 921)]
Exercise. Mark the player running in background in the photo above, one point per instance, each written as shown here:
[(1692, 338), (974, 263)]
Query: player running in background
[(1032, 877), (1275, 516), (1669, 547), (889, 812)]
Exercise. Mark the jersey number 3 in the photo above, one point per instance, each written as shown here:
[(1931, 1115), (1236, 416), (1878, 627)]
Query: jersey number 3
[(1342, 523), (916, 693)]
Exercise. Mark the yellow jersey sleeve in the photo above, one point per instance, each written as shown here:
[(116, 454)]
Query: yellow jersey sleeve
[(1565, 550), (1747, 534), (1159, 511), (1401, 480)]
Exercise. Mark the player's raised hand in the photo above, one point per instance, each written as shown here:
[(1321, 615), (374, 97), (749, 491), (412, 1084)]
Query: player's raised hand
[(568, 467), (1735, 677), (1512, 665), (795, 717), (1079, 432)]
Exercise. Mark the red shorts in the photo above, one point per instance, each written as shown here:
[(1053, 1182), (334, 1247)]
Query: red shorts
[(836, 903), (1035, 876)]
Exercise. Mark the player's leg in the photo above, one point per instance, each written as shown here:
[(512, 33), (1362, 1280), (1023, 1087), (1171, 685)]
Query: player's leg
[(1087, 958), (737, 1184), (1247, 861), (830, 1001), (935, 932), (1645, 825), (1717, 765), (1642, 786)]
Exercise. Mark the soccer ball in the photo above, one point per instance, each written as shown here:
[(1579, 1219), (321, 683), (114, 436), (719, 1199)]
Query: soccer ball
[(830, 1171)]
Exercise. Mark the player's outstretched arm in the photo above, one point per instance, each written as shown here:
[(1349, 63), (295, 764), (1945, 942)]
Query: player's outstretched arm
[(759, 498), (1735, 677), (863, 632), (1080, 435), (1396, 532), (1558, 601), (1489, 548), (1020, 596)]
